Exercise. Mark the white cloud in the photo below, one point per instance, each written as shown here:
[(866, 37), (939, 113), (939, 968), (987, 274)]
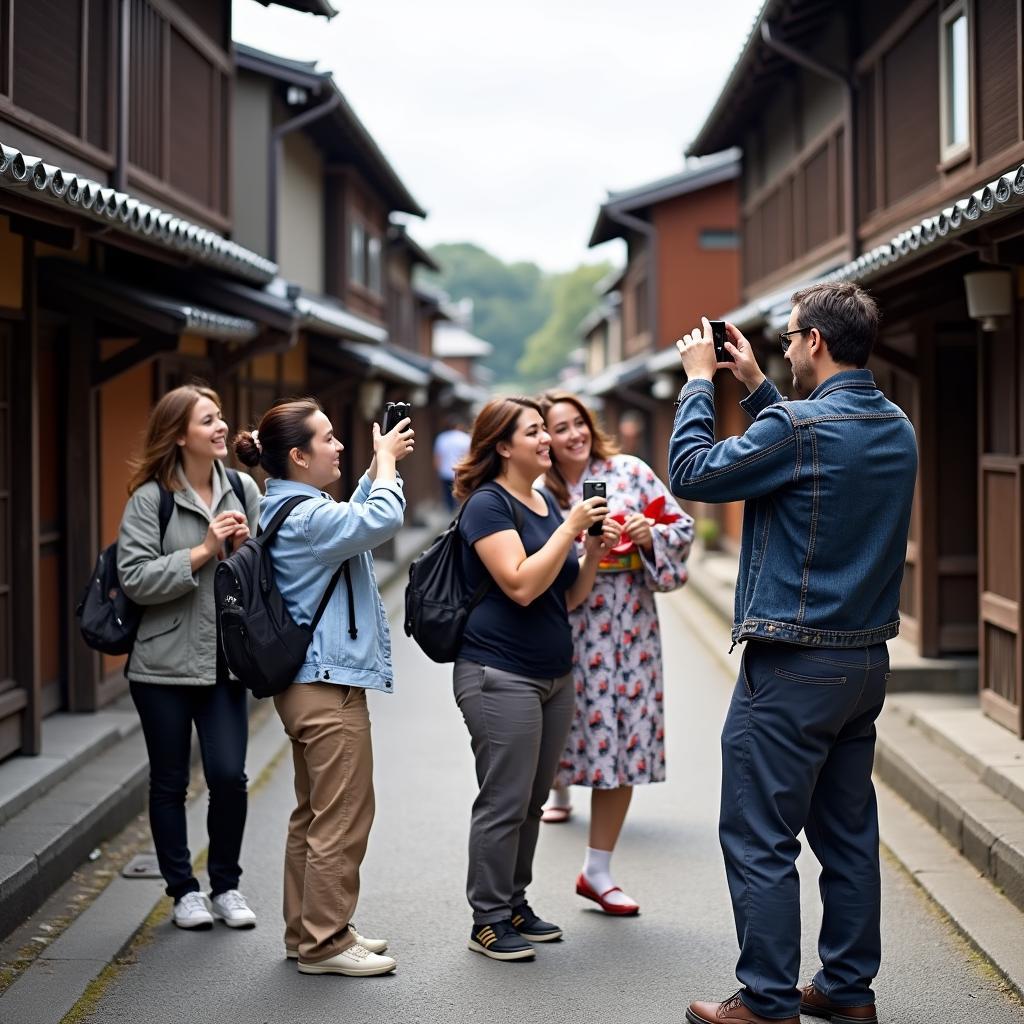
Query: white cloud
[(508, 123)]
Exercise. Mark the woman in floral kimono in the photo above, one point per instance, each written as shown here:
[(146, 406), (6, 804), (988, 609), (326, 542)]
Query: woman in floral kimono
[(617, 739)]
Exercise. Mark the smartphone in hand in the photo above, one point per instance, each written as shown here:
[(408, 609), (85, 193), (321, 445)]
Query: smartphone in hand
[(595, 489), (719, 336), (394, 413)]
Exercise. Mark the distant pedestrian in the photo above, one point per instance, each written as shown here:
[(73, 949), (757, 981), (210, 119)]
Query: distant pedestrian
[(512, 677), (324, 711), (175, 672), (617, 738), (829, 482), (450, 446), (631, 433)]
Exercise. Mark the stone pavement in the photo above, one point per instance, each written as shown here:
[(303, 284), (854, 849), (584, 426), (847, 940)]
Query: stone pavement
[(644, 969)]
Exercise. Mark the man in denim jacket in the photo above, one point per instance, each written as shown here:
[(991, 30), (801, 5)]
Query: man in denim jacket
[(829, 481)]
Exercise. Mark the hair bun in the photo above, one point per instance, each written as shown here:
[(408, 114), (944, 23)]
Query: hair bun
[(246, 450)]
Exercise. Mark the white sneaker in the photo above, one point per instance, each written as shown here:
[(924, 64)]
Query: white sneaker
[(190, 912), (356, 961), (232, 909), (373, 945)]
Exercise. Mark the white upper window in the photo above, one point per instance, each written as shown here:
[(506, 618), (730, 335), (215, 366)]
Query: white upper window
[(955, 68)]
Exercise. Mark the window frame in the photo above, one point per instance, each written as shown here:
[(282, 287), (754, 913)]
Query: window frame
[(374, 263), (357, 265), (953, 153)]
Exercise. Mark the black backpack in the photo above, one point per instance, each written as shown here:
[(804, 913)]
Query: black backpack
[(107, 617), (262, 644), (438, 598)]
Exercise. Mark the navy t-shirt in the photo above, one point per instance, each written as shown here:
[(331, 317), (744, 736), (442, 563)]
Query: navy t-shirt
[(535, 641)]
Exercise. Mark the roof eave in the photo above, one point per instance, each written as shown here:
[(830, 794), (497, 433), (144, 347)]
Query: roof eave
[(318, 7)]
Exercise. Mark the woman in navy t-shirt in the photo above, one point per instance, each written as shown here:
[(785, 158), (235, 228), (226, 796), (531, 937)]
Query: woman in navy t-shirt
[(512, 674)]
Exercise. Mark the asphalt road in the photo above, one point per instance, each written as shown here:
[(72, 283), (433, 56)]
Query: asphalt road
[(611, 970)]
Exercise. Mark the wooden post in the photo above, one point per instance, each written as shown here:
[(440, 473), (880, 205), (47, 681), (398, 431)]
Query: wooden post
[(80, 506), (25, 511)]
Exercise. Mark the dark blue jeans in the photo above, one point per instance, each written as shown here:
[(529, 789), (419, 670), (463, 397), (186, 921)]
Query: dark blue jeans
[(797, 751), (220, 716)]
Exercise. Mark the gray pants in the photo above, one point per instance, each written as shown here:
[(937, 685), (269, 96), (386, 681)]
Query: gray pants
[(518, 727)]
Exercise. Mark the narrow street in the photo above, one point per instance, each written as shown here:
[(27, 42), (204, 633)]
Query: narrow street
[(644, 969)]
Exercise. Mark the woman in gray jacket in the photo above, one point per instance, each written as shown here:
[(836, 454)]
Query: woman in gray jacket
[(324, 710), (175, 672)]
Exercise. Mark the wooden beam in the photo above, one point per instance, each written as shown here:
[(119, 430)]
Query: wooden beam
[(142, 351), (270, 342), (55, 235)]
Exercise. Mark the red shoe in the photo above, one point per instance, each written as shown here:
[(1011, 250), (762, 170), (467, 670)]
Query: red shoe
[(555, 815), (584, 889)]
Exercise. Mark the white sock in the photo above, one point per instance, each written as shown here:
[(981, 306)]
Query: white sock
[(559, 797), (597, 872)]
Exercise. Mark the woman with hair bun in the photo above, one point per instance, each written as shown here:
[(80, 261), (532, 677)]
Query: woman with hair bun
[(324, 711), (175, 672)]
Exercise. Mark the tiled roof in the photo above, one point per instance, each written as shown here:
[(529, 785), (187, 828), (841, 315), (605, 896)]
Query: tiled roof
[(992, 201), (125, 213)]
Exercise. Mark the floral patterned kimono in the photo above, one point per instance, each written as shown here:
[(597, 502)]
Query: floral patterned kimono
[(618, 732)]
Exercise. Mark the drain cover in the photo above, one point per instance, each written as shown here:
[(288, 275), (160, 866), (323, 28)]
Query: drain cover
[(142, 865)]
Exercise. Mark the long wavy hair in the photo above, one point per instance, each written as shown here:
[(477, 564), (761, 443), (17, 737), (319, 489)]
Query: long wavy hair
[(602, 444), (496, 422), (161, 453)]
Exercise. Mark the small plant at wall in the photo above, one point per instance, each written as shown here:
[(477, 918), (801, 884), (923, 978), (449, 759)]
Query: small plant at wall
[(708, 531)]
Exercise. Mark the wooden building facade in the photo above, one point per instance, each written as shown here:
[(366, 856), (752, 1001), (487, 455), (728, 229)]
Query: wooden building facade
[(129, 265), (883, 142)]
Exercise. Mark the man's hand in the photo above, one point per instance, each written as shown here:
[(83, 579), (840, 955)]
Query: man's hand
[(744, 368), (697, 351)]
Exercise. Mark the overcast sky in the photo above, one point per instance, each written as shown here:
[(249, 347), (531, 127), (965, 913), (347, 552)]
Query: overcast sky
[(510, 122)]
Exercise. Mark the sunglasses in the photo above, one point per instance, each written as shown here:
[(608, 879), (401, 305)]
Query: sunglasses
[(784, 336)]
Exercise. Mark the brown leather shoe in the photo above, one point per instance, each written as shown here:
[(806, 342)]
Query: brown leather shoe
[(814, 1004), (732, 1011)]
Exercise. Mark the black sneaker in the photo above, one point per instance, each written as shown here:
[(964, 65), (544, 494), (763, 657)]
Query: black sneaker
[(531, 927), (499, 941)]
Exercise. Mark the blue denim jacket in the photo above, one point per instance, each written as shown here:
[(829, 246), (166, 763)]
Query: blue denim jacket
[(312, 542), (829, 483)]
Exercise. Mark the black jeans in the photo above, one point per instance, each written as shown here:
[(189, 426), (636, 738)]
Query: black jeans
[(219, 713)]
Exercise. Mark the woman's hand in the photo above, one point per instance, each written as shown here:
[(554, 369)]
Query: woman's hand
[(638, 528), (610, 535), (397, 443), (223, 527), (583, 515)]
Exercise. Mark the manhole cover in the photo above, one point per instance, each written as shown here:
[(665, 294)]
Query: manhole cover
[(142, 865)]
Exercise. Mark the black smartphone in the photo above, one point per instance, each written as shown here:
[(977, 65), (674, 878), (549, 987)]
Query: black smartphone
[(394, 413), (595, 489), (719, 336)]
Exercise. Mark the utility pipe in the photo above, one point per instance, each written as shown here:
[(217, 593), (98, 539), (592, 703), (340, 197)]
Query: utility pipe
[(274, 161), (850, 147), (647, 229)]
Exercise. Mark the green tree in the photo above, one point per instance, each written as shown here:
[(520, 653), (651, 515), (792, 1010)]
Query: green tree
[(509, 300), (572, 298)]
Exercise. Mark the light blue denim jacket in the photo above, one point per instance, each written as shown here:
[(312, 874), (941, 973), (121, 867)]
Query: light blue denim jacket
[(829, 483), (313, 541)]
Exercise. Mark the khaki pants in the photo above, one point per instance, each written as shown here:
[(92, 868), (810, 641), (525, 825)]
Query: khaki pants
[(329, 727)]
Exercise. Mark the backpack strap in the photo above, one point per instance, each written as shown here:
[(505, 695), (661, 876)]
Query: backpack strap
[(235, 479), (166, 510), (267, 535)]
